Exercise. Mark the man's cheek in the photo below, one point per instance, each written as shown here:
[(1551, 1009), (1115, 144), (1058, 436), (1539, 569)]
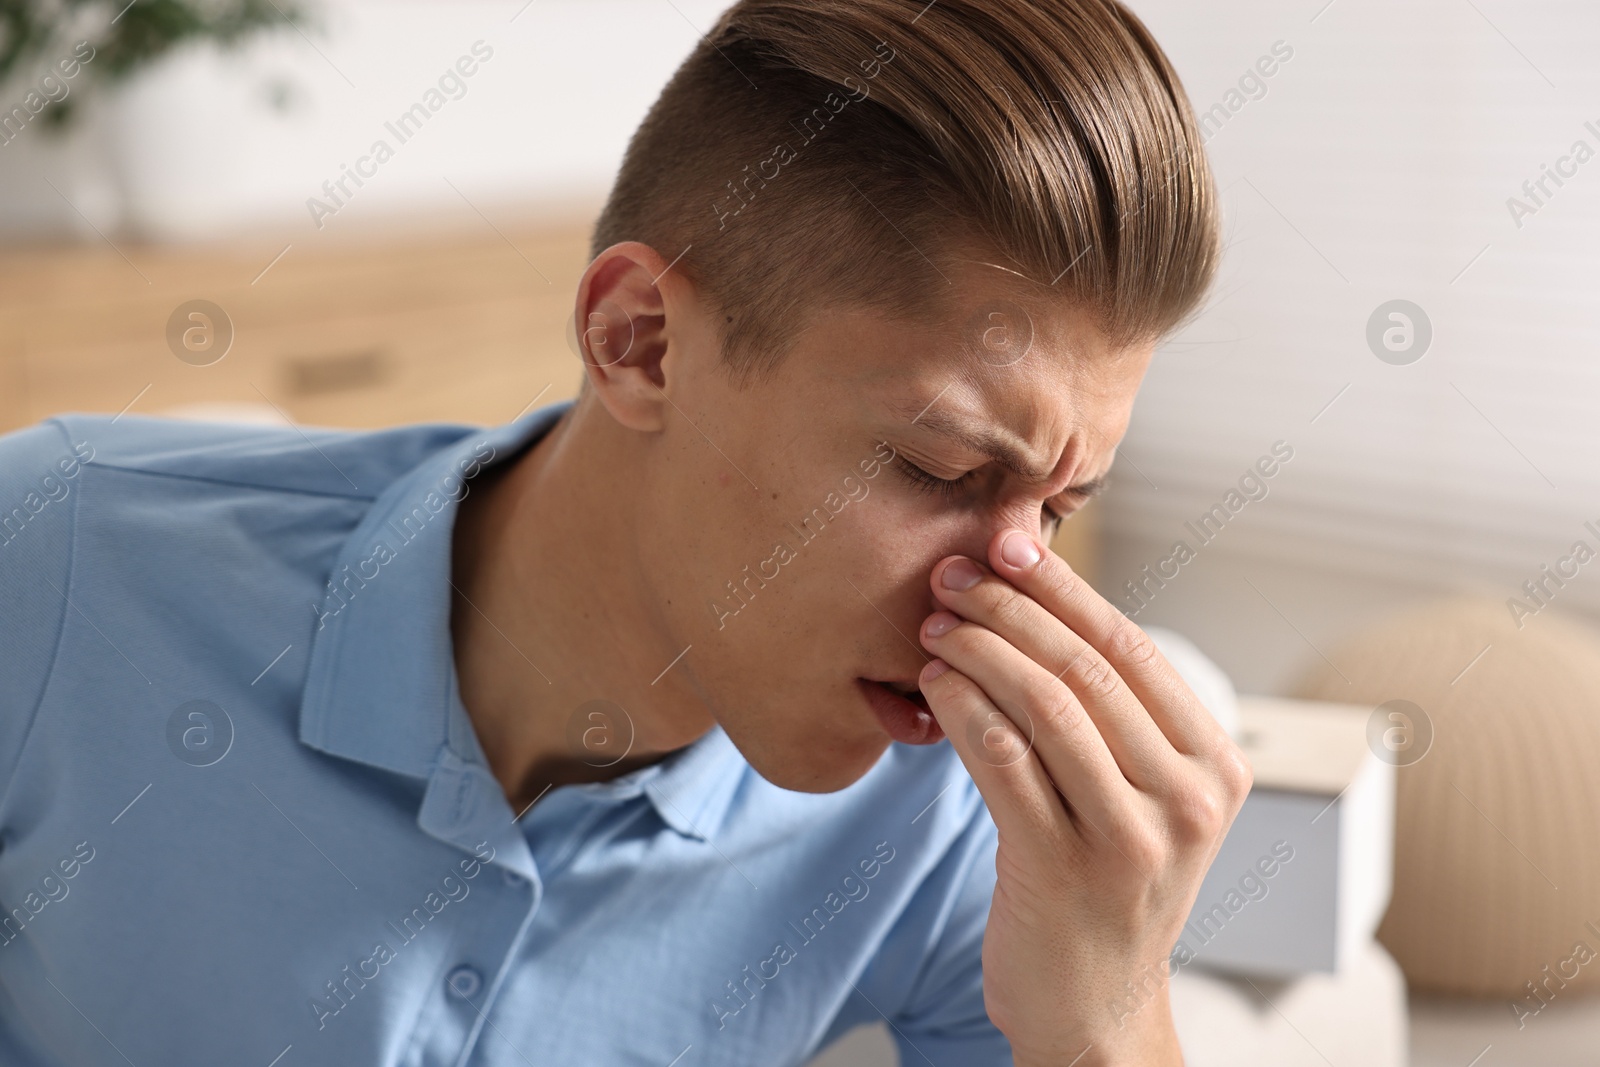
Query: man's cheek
[(903, 575)]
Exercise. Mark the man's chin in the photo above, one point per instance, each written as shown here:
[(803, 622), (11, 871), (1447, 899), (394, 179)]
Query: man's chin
[(807, 766)]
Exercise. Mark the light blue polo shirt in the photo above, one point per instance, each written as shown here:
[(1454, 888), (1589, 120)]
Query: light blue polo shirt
[(244, 817)]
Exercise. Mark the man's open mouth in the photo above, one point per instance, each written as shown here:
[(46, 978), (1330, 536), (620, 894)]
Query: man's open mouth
[(909, 691), (902, 710)]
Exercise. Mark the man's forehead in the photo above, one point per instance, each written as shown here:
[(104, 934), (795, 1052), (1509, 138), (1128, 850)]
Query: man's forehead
[(1024, 381)]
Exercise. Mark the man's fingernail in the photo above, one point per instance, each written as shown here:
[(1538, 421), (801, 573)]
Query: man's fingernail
[(960, 574), (1019, 550), (940, 623), (934, 668)]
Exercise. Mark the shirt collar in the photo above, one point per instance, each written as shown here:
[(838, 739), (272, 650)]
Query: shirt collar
[(691, 789), (381, 686)]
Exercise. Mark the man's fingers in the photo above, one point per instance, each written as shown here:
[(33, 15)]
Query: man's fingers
[(1045, 577), (1049, 716), (1021, 798), (1141, 750)]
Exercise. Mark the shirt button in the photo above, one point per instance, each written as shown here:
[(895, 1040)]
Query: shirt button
[(464, 981), (511, 877)]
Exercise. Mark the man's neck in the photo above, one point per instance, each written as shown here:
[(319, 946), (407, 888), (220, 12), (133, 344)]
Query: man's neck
[(549, 616)]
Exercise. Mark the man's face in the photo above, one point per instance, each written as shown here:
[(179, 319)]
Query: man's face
[(787, 533)]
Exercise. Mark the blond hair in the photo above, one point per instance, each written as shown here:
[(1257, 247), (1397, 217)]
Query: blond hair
[(836, 150)]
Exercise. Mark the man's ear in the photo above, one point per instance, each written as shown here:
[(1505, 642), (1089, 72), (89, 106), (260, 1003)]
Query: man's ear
[(625, 332)]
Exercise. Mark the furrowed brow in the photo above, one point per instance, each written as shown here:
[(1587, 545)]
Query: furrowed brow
[(987, 444), (972, 439)]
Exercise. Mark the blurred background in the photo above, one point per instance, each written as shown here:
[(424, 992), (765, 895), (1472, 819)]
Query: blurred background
[(1405, 331)]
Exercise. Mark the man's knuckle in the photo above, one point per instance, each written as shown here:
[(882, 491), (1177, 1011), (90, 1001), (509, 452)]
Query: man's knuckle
[(1238, 777), (1090, 673), (1059, 712), (1095, 675), (1010, 609), (1131, 645), (1199, 813)]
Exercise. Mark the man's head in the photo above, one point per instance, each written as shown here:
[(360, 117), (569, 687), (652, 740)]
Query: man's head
[(877, 280)]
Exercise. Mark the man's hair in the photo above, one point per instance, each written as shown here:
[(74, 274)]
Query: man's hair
[(834, 151)]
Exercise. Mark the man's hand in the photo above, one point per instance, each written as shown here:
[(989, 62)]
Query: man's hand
[(1111, 787)]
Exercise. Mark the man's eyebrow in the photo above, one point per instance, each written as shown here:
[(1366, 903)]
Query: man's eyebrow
[(992, 445)]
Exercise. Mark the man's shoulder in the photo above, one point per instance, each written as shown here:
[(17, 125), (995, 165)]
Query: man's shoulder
[(324, 461)]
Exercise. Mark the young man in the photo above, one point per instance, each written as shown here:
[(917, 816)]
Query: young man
[(574, 740)]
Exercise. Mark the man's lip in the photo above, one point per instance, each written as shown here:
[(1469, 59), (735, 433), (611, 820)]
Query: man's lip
[(904, 718)]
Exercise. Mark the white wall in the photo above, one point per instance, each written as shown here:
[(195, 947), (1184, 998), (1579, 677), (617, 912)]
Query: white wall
[(195, 150), (1377, 166)]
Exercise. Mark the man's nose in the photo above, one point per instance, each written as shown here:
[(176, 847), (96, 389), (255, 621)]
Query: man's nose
[(974, 541)]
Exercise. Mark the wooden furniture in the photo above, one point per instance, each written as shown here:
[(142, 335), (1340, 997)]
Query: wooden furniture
[(360, 331)]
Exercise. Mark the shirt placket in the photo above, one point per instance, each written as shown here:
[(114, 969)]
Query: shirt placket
[(464, 807)]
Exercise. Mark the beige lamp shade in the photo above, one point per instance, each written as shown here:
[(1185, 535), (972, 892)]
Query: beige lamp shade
[(1497, 840)]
